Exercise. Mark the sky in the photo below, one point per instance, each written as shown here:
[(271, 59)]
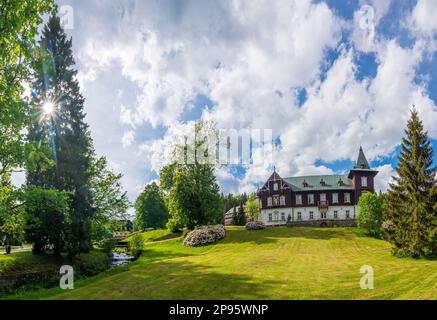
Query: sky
[(325, 76)]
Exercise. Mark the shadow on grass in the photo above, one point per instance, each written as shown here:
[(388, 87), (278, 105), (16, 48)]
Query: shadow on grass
[(273, 234), (174, 279)]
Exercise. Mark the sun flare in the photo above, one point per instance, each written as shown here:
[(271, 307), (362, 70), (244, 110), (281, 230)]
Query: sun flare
[(48, 108)]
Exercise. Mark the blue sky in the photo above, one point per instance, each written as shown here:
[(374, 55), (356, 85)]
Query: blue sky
[(325, 76)]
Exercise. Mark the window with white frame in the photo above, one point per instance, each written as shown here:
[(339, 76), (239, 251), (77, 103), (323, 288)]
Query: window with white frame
[(276, 216), (282, 200), (323, 215), (276, 200), (270, 217), (283, 216), (347, 197), (335, 198), (299, 216), (335, 214), (364, 181), (322, 197), (348, 215), (311, 215), (310, 198), (298, 199), (275, 186), (269, 201)]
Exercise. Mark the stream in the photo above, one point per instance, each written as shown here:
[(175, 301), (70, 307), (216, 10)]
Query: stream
[(119, 259)]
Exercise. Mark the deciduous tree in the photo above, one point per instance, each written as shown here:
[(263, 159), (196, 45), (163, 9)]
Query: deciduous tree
[(150, 208), (369, 215)]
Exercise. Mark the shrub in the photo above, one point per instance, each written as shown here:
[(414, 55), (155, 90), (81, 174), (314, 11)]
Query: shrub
[(255, 225), (205, 235), (370, 214), (108, 245), (136, 245), (91, 264)]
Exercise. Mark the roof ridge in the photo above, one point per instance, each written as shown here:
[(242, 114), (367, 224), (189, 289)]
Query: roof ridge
[(319, 175)]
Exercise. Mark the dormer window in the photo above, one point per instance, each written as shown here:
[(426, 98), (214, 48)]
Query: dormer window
[(275, 186)]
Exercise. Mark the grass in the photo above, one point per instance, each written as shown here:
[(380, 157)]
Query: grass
[(275, 263), (23, 271), (152, 235)]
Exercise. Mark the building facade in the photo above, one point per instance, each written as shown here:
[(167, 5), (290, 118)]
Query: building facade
[(319, 200)]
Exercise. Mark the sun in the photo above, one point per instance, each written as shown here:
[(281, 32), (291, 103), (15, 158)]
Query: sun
[(48, 108)]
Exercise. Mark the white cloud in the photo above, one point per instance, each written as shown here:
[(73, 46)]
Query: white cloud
[(250, 59), (384, 176), (423, 18), (128, 138)]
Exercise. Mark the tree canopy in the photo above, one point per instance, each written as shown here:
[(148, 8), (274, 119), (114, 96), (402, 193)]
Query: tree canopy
[(150, 208), (193, 195), (370, 213)]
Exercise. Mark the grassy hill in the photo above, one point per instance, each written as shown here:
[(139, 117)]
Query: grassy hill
[(276, 263)]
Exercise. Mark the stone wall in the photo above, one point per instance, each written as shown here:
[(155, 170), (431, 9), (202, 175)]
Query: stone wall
[(330, 223)]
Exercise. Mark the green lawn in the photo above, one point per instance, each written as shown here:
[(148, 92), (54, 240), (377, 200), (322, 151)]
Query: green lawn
[(153, 234), (276, 263), (23, 271)]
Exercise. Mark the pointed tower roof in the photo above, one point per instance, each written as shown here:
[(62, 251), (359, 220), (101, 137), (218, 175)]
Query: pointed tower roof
[(361, 161)]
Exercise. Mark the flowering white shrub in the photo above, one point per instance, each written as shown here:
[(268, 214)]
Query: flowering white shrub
[(205, 235), (255, 225)]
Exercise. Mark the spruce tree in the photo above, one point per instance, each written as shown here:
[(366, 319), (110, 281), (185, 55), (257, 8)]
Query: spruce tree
[(239, 218), (59, 124), (410, 209)]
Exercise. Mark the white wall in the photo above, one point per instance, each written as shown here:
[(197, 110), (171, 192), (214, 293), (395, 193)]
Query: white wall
[(305, 211)]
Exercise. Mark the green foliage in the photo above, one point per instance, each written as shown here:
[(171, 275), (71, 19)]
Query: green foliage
[(29, 272), (193, 198), (150, 208), (239, 218), (18, 28), (48, 212), (63, 134), (411, 210), (12, 215), (108, 245), (110, 202), (370, 213), (252, 208), (231, 201), (193, 195), (175, 225), (136, 244)]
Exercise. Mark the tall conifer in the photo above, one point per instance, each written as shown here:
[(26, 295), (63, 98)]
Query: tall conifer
[(59, 124), (411, 210)]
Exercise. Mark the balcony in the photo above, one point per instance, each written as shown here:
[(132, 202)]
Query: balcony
[(323, 204)]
